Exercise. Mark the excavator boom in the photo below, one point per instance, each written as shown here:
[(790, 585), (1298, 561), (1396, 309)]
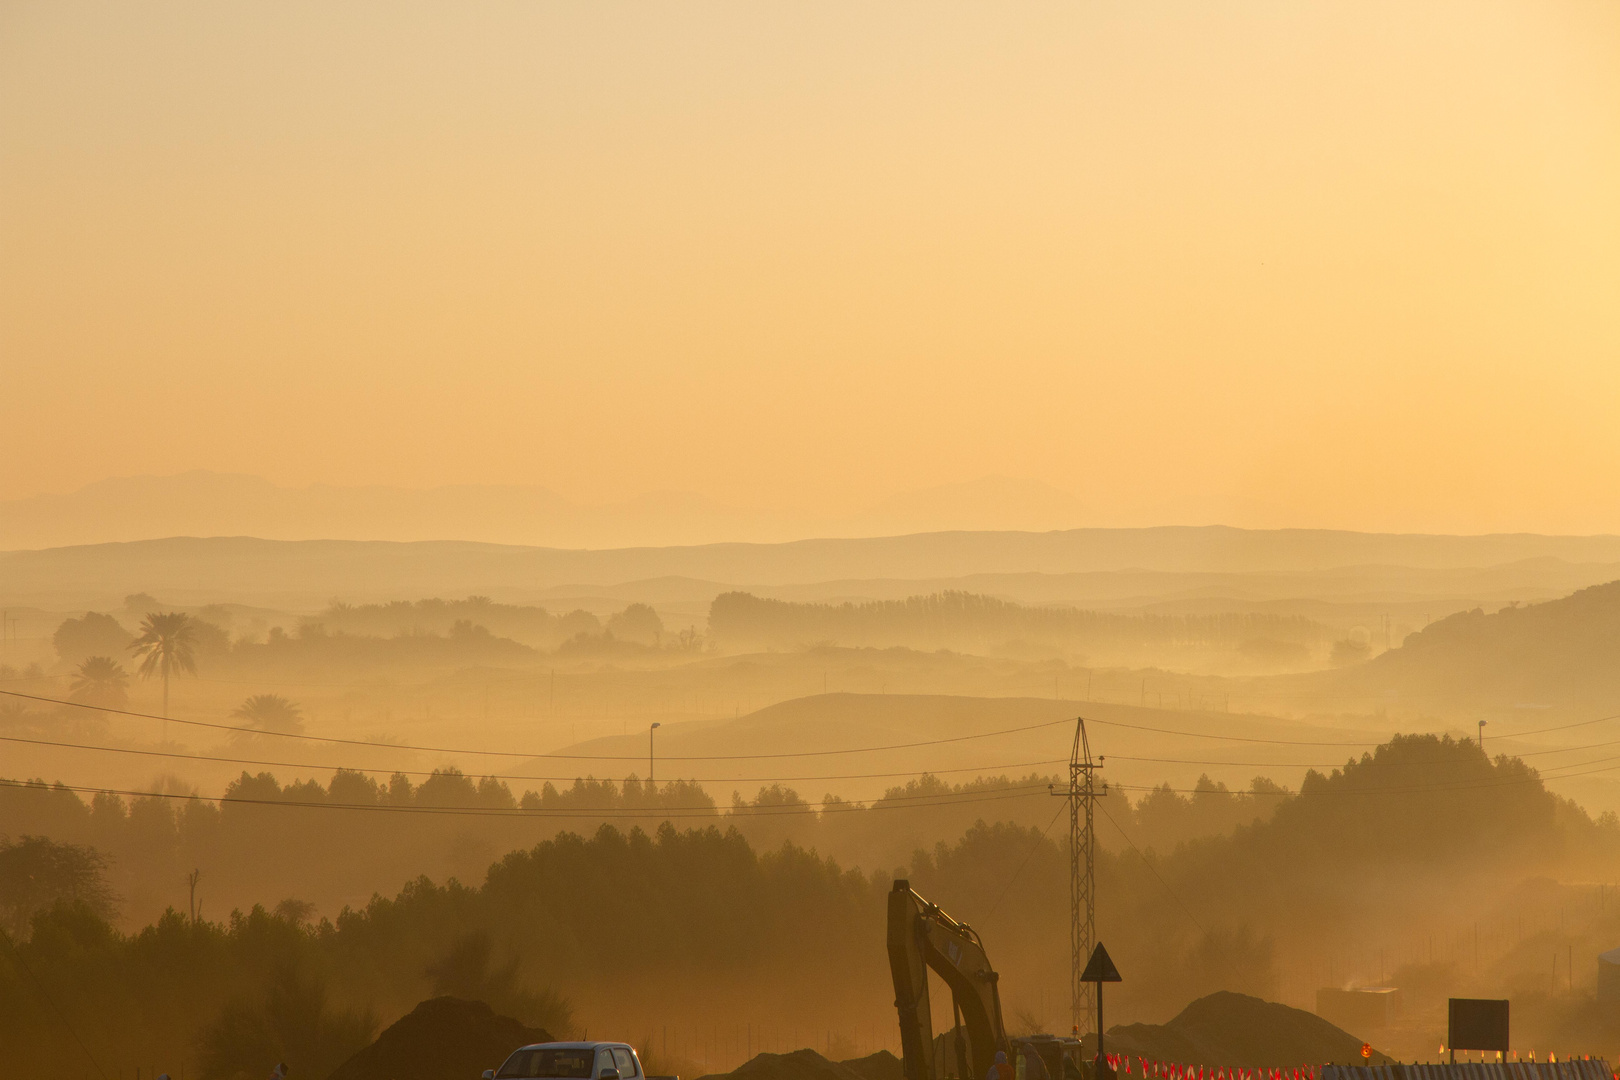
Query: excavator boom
[(921, 936)]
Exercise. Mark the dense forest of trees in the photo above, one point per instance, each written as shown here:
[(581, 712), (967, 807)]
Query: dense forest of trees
[(1424, 832), (973, 623), (336, 843), (229, 994)]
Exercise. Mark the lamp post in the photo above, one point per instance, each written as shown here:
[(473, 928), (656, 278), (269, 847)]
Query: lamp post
[(1482, 734), (650, 731)]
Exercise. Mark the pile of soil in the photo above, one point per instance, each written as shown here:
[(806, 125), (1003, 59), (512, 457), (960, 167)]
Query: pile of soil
[(441, 1039), (879, 1066), (799, 1065), (1236, 1029)]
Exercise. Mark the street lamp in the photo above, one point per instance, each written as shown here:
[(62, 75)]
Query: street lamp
[(1482, 734), (650, 731)]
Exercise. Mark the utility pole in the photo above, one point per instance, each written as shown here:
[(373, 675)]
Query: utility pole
[(650, 731), (1083, 793)]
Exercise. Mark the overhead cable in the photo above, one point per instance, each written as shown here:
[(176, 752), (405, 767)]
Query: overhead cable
[(220, 758), (711, 812), (531, 754)]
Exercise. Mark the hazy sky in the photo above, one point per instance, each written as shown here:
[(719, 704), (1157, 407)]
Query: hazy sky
[(1349, 264)]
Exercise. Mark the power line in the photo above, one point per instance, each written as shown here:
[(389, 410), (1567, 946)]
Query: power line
[(1033, 848), (498, 776), (1318, 742), (1247, 792), (709, 812), (515, 753), (1226, 738), (1560, 727), (1173, 894), (1539, 778), (1359, 764)]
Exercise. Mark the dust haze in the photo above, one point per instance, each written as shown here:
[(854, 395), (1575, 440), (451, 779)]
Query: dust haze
[(560, 515)]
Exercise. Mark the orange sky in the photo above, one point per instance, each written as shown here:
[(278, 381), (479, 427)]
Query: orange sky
[(1346, 264)]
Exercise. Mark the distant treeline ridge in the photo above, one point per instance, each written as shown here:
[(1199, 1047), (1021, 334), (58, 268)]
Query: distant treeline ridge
[(962, 619)]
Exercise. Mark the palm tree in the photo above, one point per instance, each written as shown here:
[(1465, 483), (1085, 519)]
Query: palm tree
[(101, 681), (273, 713), (165, 647)]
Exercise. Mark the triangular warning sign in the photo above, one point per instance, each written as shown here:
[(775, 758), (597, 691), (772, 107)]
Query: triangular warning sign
[(1100, 968)]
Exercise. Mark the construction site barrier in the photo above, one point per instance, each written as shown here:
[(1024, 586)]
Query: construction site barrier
[(1576, 1069), (1124, 1065)]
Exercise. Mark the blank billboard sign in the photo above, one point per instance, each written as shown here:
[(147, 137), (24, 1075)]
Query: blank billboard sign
[(1477, 1024)]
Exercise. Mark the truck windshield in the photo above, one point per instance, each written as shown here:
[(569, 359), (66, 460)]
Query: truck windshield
[(549, 1064)]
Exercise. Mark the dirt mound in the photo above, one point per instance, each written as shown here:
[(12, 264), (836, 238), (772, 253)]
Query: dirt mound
[(879, 1066), (799, 1065), (1235, 1029), (441, 1038)]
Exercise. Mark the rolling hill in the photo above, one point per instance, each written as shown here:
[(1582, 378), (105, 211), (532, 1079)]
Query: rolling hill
[(1561, 654)]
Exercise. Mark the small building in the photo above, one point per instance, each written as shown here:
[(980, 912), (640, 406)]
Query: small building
[(1608, 984), (1361, 1010)]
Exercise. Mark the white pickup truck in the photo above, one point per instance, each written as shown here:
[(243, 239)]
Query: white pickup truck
[(571, 1061)]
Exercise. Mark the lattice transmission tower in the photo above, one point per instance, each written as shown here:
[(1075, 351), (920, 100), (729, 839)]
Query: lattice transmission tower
[(1084, 790)]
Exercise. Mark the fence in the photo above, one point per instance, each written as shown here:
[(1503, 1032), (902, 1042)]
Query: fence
[(1578, 1069)]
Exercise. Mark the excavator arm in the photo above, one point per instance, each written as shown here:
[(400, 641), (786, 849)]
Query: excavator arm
[(921, 936)]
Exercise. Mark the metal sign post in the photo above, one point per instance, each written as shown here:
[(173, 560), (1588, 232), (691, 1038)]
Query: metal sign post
[(1100, 969)]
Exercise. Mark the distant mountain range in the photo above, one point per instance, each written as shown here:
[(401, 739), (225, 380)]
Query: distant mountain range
[(1107, 567), (225, 504)]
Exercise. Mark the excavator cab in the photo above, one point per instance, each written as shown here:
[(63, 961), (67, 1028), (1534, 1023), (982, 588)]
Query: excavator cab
[(922, 937)]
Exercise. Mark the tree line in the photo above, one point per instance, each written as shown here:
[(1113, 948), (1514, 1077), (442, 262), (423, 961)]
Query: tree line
[(426, 633), (970, 622), (701, 918), (231, 995), (337, 842)]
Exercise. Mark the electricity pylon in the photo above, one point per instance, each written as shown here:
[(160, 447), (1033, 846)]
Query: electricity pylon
[(1083, 793)]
